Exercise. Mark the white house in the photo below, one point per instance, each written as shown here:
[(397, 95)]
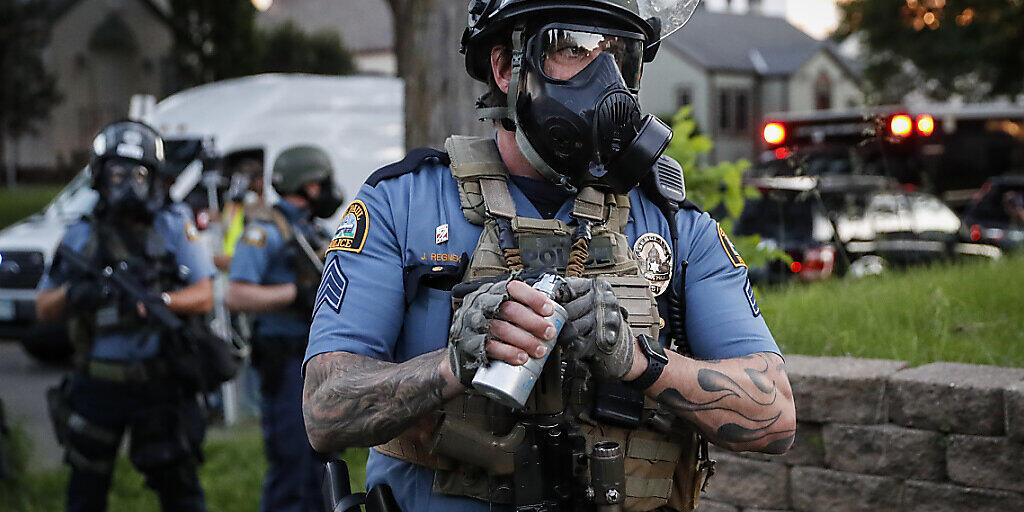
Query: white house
[(732, 68)]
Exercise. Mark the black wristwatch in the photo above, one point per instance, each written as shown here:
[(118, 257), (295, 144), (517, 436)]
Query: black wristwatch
[(656, 362)]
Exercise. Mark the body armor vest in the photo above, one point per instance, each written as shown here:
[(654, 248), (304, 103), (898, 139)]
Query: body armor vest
[(144, 252), (471, 444)]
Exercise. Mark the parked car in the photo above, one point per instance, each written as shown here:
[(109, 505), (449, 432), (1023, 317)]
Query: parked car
[(357, 120), (843, 225), (996, 214)]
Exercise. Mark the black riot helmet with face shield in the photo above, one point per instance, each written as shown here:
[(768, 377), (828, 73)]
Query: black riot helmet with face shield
[(576, 69), (127, 157)]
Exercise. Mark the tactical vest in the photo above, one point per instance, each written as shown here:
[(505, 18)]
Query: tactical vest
[(155, 268), (471, 443)]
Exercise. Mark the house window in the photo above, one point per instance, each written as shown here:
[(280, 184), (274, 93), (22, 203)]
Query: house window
[(823, 92), (684, 96), (725, 110), (734, 111), (742, 111)]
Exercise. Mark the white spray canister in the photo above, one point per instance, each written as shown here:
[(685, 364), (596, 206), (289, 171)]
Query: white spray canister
[(511, 385)]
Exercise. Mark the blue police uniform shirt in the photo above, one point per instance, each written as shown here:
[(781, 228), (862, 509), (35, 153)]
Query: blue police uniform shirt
[(183, 242), (261, 258), (361, 305)]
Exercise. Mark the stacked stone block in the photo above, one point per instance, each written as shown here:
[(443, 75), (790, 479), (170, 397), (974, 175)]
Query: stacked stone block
[(877, 435)]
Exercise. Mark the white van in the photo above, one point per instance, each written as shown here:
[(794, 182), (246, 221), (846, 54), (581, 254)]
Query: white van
[(358, 121)]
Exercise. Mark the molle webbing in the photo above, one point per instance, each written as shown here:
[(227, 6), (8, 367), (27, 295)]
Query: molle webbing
[(474, 159), (472, 443)]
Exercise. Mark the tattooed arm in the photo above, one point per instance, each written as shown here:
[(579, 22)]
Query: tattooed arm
[(742, 404), (354, 400)]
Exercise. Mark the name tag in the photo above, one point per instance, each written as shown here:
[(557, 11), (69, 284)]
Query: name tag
[(552, 251)]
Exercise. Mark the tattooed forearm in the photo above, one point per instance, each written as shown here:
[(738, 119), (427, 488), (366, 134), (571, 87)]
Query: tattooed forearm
[(353, 400), (742, 404)]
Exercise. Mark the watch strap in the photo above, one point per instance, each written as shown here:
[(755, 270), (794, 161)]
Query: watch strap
[(655, 367)]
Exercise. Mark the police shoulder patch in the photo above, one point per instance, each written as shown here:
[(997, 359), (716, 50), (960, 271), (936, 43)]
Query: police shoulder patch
[(255, 236), (655, 257), (191, 231), (351, 233), (730, 249)]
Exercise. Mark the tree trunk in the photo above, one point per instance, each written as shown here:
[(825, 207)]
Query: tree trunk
[(4, 169), (439, 95)]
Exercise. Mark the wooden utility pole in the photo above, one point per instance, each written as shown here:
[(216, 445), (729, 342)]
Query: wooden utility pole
[(439, 95)]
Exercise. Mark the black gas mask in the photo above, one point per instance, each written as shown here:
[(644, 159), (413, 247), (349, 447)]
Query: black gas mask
[(238, 187), (327, 201), (127, 189), (577, 110)]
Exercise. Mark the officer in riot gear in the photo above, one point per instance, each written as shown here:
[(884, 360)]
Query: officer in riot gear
[(274, 275), (125, 378), (428, 280)]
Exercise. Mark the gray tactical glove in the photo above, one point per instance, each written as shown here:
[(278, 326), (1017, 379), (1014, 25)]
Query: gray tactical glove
[(597, 330), (468, 335)]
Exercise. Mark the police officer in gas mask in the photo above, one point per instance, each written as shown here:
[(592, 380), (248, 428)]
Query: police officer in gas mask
[(274, 276), (123, 381), (431, 344)]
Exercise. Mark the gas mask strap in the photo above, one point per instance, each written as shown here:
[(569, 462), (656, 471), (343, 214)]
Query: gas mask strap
[(538, 163)]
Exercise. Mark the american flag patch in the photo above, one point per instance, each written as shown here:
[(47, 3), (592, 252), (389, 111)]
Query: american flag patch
[(332, 287)]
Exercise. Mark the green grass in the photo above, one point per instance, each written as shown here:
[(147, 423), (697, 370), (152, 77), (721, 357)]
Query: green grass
[(970, 312), (232, 477), (22, 201)]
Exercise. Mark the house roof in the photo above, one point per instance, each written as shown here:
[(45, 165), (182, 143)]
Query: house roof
[(748, 43)]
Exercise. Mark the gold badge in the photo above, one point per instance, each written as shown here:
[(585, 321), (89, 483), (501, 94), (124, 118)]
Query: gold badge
[(655, 258), (351, 233), (255, 236), (191, 231)]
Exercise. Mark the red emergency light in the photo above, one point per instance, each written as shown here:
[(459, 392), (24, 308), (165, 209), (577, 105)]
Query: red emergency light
[(774, 133), (901, 125), (925, 124)]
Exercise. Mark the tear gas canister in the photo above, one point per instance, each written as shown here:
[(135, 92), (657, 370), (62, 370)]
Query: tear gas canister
[(511, 385)]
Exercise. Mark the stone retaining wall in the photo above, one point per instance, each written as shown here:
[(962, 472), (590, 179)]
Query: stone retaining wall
[(876, 435)]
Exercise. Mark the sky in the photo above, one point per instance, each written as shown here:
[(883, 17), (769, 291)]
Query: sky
[(816, 17)]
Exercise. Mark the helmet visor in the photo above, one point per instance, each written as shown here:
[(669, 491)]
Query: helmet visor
[(668, 15), (566, 50)]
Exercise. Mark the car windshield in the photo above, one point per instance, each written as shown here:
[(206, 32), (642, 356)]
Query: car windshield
[(784, 217), (179, 153), (76, 199)]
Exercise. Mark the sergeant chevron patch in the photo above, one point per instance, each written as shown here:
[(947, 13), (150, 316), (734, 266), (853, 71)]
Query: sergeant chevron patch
[(332, 287)]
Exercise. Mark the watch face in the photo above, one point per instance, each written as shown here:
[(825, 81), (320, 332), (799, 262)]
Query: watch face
[(652, 348)]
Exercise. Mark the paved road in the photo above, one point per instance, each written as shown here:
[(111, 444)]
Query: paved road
[(23, 384)]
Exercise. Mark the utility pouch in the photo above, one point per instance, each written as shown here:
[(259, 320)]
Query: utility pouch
[(617, 404), (200, 359)]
